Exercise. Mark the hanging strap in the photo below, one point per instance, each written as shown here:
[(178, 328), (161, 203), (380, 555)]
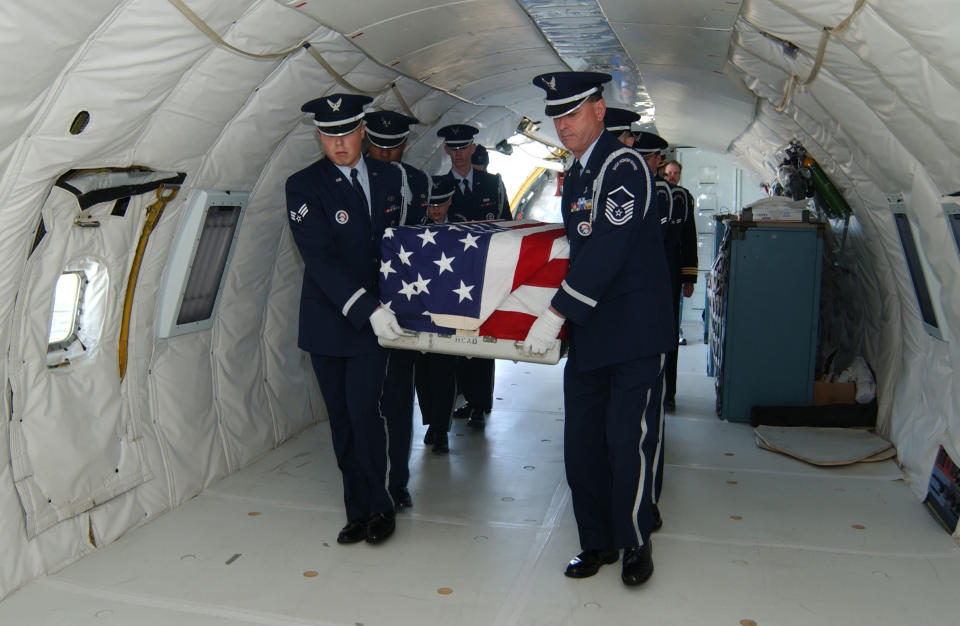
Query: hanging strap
[(154, 211), (212, 34), (339, 78), (794, 80)]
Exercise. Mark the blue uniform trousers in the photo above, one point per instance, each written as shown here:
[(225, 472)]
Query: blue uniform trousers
[(396, 404), (676, 289), (475, 380), (670, 376), (436, 382), (611, 435), (351, 388)]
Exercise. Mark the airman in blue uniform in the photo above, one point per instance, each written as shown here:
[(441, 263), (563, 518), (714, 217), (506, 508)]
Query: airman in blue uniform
[(387, 133), (689, 262), (436, 377), (480, 196), (651, 146), (338, 209), (620, 123), (616, 300)]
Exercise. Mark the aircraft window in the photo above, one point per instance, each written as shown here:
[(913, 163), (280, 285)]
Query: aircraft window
[(915, 265), (209, 263), (198, 261), (77, 313), (66, 306)]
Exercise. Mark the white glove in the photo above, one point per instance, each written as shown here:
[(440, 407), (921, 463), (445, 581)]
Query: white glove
[(543, 333), (385, 324)]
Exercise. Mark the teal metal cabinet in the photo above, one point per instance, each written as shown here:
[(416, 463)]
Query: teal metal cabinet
[(770, 318)]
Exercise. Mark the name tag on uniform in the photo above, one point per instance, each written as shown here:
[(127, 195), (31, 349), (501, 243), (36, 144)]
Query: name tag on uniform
[(581, 204)]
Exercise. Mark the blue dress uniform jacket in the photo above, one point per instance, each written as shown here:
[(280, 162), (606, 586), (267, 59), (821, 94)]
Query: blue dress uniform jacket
[(396, 402), (339, 241), (663, 198), (340, 246), (688, 242), (674, 229), (617, 292), (487, 201), (681, 248), (418, 184), (616, 297)]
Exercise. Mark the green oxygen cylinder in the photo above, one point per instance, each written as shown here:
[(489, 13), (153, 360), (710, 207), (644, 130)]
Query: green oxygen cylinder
[(830, 194)]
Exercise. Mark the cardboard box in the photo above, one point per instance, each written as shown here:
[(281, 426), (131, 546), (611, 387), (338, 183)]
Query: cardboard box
[(834, 393)]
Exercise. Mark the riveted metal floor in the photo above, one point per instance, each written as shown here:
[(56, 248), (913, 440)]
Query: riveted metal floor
[(749, 537)]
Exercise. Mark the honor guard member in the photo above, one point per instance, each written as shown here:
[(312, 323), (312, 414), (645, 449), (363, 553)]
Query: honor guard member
[(480, 159), (338, 208), (651, 146), (436, 377), (387, 133), (688, 238), (619, 122), (479, 196), (615, 298), (681, 248)]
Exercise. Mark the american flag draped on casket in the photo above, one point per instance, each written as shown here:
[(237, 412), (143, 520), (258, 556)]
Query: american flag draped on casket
[(486, 278)]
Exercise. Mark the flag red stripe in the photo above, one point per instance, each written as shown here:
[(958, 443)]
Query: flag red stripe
[(534, 254), (511, 325), (550, 275), (507, 325)]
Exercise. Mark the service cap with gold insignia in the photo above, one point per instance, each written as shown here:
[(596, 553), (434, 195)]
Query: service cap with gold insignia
[(337, 114), (388, 129), (566, 91), (457, 136)]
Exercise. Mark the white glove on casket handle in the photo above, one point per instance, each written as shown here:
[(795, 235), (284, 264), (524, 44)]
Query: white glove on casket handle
[(543, 333), (385, 324)]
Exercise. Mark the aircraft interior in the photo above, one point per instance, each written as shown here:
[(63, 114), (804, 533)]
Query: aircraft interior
[(167, 457)]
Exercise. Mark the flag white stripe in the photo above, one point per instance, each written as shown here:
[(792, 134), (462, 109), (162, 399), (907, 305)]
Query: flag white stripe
[(502, 257)]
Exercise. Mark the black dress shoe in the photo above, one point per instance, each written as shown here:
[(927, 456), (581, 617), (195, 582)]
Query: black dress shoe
[(637, 565), (354, 531), (380, 526), (463, 412), (428, 438), (440, 445), (402, 499), (477, 419), (588, 562), (670, 405), (657, 520)]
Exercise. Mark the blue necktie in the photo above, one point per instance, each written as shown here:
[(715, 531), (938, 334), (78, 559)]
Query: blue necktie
[(359, 189), (574, 174)]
